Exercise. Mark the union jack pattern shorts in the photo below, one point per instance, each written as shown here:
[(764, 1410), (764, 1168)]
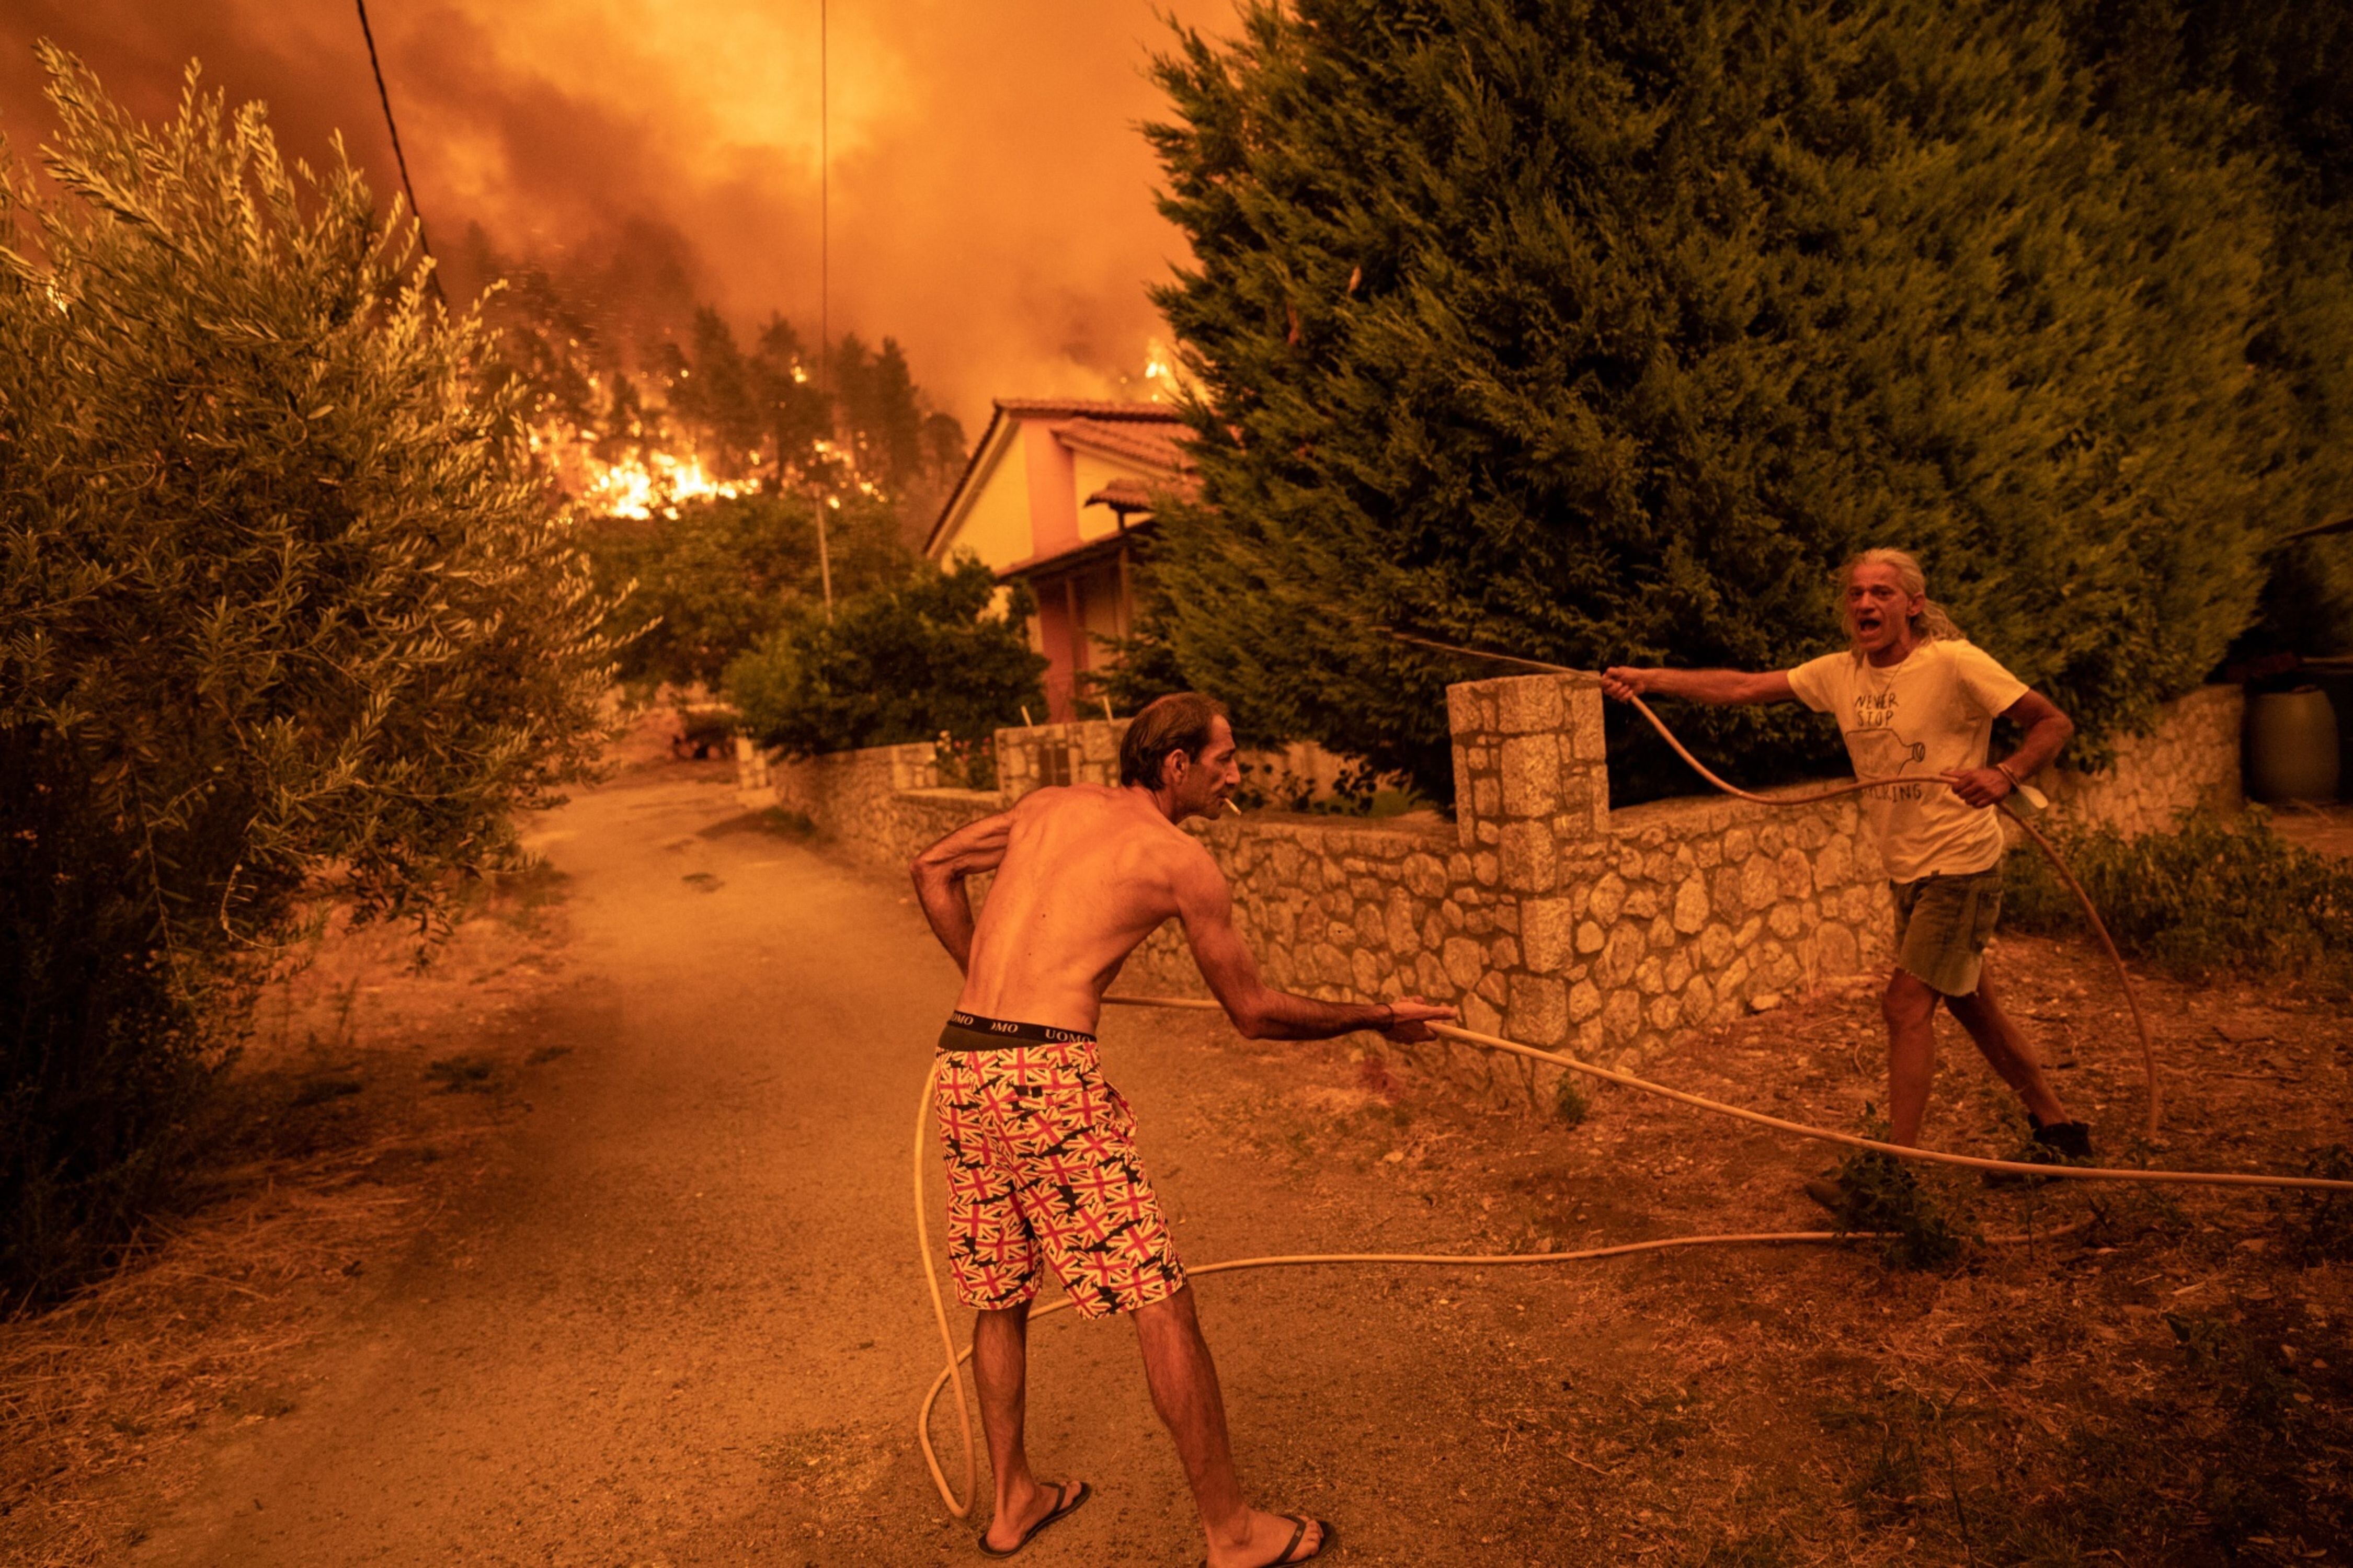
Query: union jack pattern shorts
[(1042, 1173)]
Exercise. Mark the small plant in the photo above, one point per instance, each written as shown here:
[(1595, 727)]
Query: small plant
[(1884, 1196), (966, 762), (2211, 897), (1570, 1102), (2322, 1225), (933, 650), (2246, 1373)]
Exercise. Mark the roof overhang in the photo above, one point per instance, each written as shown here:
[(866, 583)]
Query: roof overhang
[(1088, 554)]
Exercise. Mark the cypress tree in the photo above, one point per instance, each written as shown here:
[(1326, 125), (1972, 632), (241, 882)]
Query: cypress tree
[(1601, 331)]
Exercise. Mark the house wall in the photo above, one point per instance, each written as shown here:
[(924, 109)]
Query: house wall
[(1542, 913), (996, 524)]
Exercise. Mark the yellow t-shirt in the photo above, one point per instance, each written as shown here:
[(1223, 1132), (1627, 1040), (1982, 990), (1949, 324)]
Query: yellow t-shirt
[(1928, 715)]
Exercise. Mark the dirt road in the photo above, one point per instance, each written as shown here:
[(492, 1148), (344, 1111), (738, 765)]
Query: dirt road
[(680, 1322), (672, 1313)]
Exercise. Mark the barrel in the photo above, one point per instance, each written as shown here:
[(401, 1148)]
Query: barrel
[(2291, 746)]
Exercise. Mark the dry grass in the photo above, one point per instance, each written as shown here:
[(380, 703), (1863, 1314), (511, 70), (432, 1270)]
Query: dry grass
[(332, 1143), (2162, 1377)]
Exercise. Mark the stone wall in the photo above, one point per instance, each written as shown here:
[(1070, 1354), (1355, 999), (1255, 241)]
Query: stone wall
[(882, 805), (1086, 752), (1542, 913), (2188, 759)]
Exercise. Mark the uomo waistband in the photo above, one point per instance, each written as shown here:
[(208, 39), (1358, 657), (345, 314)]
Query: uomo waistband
[(971, 1032)]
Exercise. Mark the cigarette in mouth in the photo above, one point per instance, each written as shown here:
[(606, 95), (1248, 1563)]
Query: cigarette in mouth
[(1231, 806)]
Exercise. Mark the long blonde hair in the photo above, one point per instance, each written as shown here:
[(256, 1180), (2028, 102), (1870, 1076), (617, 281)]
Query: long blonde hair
[(1931, 625)]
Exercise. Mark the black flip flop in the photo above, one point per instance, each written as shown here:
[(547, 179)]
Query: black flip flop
[(1066, 1503), (1324, 1543)]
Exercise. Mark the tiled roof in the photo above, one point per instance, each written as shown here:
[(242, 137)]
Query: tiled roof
[(1154, 445), (1087, 408), (1123, 495)]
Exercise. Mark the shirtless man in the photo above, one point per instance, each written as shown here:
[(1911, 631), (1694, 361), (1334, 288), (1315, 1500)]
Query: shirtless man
[(1042, 1169), (1917, 700)]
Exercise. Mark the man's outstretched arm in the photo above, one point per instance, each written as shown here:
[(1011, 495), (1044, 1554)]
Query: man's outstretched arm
[(940, 872), (1723, 686), (1261, 1012)]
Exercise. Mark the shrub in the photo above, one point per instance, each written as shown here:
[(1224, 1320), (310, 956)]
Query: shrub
[(928, 655), (284, 609), (1602, 333), (715, 575), (2212, 897)]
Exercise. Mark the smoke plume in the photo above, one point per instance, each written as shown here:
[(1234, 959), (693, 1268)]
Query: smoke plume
[(991, 201)]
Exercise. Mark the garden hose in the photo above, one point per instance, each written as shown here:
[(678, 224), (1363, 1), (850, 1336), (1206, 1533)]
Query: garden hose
[(1856, 786), (952, 1371)]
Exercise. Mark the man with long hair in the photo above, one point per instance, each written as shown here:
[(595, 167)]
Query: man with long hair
[(1916, 702), (1042, 1170)]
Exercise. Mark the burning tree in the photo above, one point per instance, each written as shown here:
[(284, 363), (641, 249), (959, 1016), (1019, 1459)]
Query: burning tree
[(289, 610)]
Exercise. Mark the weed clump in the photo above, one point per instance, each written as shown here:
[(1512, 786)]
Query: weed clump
[(2211, 897), (1884, 1196), (1569, 1104), (2321, 1224)]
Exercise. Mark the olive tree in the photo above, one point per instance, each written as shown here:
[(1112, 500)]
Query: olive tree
[(285, 611)]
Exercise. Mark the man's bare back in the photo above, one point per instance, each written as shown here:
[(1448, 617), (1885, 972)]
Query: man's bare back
[(1088, 873)]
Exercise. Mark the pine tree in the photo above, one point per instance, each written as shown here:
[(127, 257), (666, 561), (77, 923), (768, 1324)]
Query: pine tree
[(1601, 331)]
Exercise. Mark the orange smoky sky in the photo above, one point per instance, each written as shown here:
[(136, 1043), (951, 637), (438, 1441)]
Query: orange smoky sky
[(991, 196)]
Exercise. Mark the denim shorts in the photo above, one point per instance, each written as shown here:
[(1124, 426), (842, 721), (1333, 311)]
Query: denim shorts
[(1942, 926)]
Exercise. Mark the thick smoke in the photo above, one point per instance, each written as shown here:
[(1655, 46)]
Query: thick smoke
[(991, 200)]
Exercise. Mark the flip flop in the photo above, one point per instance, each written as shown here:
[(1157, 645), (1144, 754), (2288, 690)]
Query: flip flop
[(1283, 1558), (1066, 1502)]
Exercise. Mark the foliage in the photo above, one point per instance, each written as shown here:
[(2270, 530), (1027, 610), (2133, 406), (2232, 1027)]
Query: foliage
[(722, 572), (620, 363), (2321, 1226), (1602, 333), (2212, 896), (894, 664), (2286, 66), (1883, 1197), (286, 609), (764, 411), (1570, 1104)]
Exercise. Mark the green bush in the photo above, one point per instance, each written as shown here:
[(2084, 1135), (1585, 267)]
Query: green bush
[(2213, 897), (928, 655), (285, 611), (706, 584), (1602, 333)]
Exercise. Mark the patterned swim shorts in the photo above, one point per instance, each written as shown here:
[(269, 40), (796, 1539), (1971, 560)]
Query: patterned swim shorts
[(1042, 1170)]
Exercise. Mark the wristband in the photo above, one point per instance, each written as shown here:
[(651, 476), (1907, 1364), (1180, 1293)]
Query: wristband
[(2003, 769), (1389, 1021)]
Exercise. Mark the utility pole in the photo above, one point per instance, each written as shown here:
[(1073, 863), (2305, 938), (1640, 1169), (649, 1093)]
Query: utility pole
[(823, 284)]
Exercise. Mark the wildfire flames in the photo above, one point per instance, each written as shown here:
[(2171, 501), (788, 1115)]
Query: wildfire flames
[(639, 488)]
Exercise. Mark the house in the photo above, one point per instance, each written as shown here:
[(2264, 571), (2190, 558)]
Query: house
[(1056, 494)]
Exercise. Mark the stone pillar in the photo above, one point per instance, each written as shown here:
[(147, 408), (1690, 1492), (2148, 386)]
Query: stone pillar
[(1530, 773)]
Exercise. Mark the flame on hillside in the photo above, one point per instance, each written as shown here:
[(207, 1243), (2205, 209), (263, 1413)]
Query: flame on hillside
[(639, 486), (650, 482)]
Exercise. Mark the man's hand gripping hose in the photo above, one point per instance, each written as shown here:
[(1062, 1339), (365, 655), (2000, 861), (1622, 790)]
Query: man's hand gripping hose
[(952, 1371)]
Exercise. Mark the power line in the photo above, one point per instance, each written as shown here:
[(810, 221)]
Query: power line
[(824, 202), (398, 157)]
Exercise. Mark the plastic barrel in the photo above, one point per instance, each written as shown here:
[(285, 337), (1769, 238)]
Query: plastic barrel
[(2291, 746)]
